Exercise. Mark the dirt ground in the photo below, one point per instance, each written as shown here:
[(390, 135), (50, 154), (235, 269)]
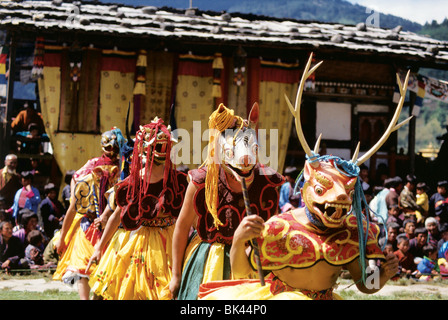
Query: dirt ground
[(390, 289), (40, 285), (37, 285)]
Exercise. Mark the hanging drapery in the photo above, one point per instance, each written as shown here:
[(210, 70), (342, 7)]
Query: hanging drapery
[(159, 87), (117, 86), (3, 81), (80, 83), (276, 80), (70, 150), (38, 61), (194, 101), (237, 95), (217, 66), (140, 87)]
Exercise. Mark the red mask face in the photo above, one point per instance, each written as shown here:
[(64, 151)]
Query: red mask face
[(327, 193)]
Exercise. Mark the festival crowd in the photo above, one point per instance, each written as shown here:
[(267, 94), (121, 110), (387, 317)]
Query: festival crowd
[(413, 224), (133, 226)]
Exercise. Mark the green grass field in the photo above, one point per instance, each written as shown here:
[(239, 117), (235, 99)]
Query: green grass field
[(410, 291)]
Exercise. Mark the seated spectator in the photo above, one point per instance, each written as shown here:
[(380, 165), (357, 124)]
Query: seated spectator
[(422, 201), (288, 200), (29, 222), (33, 251), (51, 256), (25, 117), (429, 265), (408, 200), (393, 197), (26, 197), (10, 180), (434, 235), (35, 166), (365, 182), (438, 203), (418, 242), (442, 245), (409, 228), (66, 192), (405, 258), (379, 208), (391, 238), (395, 215), (388, 249), (30, 141), (11, 248), (51, 211)]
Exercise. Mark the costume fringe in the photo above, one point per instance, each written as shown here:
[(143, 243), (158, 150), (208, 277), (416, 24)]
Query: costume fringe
[(220, 120)]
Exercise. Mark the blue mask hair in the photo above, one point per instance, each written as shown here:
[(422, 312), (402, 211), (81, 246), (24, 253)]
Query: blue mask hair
[(348, 169), (121, 142)]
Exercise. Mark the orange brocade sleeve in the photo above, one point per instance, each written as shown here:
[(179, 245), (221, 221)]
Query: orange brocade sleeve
[(286, 242)]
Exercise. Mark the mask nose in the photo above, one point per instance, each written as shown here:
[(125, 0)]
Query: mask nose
[(342, 197), (245, 160)]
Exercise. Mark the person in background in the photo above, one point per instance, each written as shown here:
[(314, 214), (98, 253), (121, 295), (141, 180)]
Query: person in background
[(288, 200), (66, 191), (26, 117), (51, 211), (10, 180), (395, 215), (27, 197), (434, 235), (11, 248), (30, 142), (365, 182), (379, 209), (393, 197), (422, 201), (408, 200), (33, 251), (28, 222), (409, 228), (405, 258), (429, 265), (392, 233), (438, 203), (442, 245), (416, 245)]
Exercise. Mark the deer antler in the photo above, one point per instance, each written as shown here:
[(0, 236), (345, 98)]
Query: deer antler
[(392, 126), (296, 109)]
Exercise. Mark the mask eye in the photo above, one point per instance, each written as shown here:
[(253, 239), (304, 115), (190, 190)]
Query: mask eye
[(319, 190), (255, 149), (229, 153), (351, 194)]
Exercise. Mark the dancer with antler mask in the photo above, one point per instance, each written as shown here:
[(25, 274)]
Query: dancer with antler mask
[(214, 204), (304, 250)]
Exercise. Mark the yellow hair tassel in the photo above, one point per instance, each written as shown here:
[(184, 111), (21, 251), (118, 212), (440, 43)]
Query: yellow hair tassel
[(220, 120)]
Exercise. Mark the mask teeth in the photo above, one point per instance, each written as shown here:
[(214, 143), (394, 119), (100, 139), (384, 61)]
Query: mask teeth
[(339, 210)]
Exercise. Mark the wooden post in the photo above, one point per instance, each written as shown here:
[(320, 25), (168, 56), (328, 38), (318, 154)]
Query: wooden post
[(6, 147), (411, 135)]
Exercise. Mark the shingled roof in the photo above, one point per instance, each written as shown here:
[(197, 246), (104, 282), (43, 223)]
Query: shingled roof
[(193, 25)]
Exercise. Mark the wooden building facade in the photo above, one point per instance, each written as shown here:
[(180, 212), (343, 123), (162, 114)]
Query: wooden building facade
[(91, 61)]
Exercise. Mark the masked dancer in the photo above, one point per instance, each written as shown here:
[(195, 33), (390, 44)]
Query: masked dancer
[(304, 250)]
